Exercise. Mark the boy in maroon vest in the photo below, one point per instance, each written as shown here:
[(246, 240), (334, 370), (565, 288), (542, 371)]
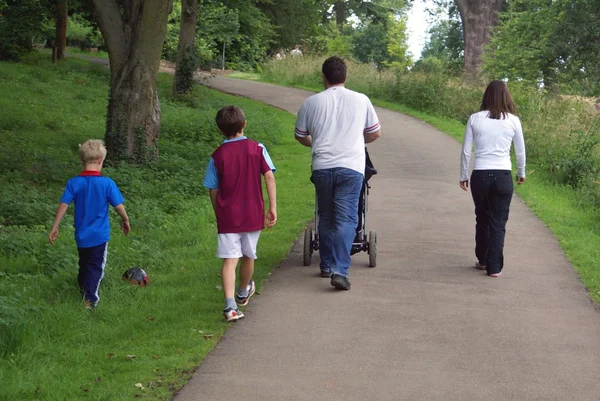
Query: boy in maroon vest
[(233, 178)]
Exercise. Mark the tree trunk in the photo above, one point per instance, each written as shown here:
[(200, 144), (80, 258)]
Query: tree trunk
[(478, 17), (186, 48), (340, 15), (60, 41), (134, 34), (223, 57)]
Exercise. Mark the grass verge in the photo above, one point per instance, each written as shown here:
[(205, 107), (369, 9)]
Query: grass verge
[(50, 347), (576, 227)]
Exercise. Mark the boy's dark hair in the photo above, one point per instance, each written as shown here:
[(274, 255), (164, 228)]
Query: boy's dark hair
[(334, 69), (230, 120), (498, 101)]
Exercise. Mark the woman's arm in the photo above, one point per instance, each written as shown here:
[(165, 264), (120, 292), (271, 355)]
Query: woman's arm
[(465, 156), (519, 142)]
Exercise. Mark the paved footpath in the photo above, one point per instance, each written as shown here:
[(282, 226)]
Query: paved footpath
[(424, 324)]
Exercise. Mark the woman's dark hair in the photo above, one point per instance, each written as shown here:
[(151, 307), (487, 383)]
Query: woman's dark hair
[(334, 69), (498, 101), (230, 120)]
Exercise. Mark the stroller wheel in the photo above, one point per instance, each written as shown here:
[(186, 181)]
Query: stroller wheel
[(308, 248), (372, 249)]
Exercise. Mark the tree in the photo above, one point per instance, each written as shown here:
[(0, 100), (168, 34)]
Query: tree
[(294, 21), (249, 45), (134, 32), (374, 10), (478, 17), (551, 42), (397, 46), (186, 49), (446, 43), (382, 43), (20, 22), (60, 41), (369, 44)]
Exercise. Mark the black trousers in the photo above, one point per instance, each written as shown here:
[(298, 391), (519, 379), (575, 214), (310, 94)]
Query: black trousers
[(492, 192)]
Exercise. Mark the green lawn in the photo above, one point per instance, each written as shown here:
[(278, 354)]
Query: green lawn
[(51, 348), (576, 227), (252, 76), (96, 54)]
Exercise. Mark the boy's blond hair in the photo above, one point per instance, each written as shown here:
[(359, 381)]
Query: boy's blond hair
[(92, 150)]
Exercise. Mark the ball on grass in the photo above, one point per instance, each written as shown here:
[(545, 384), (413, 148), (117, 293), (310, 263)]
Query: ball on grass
[(136, 276)]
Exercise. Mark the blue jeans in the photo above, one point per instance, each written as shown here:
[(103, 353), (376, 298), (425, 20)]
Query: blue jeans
[(338, 192)]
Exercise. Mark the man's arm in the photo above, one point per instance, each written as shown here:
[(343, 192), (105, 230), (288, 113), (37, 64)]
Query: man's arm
[(372, 130), (305, 140), (302, 131), (60, 213), (213, 199), (272, 194), (373, 136)]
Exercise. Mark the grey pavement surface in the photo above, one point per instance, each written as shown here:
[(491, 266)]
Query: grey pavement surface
[(424, 324)]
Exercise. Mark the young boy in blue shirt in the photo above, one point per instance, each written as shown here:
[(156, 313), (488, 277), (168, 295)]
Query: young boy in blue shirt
[(91, 193)]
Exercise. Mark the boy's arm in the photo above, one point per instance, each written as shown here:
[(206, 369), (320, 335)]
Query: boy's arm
[(272, 194), (213, 199), (120, 209), (60, 213), (211, 182)]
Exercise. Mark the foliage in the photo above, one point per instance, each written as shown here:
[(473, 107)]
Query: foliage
[(294, 21), (446, 43), (20, 22), (369, 43), (184, 79), (340, 45), (82, 33), (382, 44), (556, 44), (397, 47), (51, 348)]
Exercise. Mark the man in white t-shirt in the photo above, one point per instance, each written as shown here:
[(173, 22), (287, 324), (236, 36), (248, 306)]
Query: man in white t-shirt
[(336, 124)]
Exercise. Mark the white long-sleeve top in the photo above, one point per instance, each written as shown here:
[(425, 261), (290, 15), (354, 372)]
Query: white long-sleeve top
[(493, 139)]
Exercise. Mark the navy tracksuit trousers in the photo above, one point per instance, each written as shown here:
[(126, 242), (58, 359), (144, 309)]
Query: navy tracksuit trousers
[(91, 271)]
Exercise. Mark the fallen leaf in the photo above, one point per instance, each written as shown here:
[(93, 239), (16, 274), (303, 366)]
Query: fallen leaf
[(155, 356), (207, 336), (110, 355), (130, 357), (99, 379), (150, 318)]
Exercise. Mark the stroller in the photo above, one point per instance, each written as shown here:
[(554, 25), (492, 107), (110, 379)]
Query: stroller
[(361, 243)]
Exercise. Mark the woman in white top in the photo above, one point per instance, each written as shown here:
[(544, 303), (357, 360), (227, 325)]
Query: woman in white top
[(493, 130)]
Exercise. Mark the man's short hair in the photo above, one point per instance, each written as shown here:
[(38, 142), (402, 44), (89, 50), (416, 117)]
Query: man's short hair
[(92, 150), (230, 120), (334, 70)]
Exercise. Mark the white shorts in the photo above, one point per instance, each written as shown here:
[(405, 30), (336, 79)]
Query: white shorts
[(231, 246)]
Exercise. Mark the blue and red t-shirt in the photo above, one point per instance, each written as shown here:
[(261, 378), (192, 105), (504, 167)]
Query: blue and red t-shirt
[(235, 170), (92, 194)]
